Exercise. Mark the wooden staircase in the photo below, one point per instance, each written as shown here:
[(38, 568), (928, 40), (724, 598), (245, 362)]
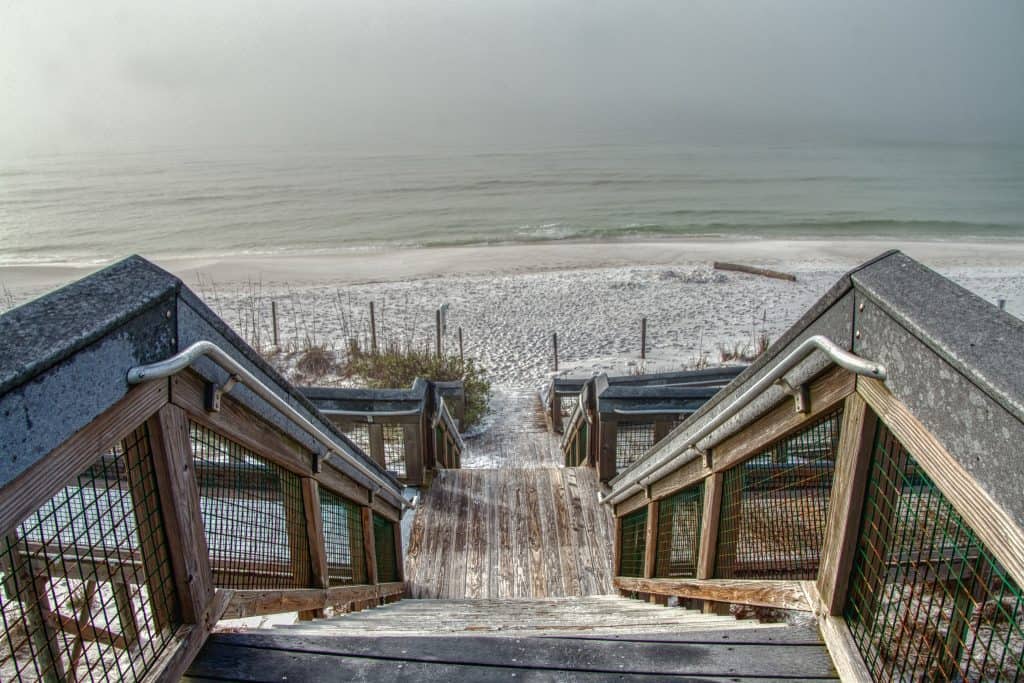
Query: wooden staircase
[(595, 638), (593, 615)]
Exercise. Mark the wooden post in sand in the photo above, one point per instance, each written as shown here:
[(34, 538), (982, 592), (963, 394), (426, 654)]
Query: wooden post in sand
[(437, 316), (554, 342), (462, 357), (273, 319), (373, 331), (643, 338)]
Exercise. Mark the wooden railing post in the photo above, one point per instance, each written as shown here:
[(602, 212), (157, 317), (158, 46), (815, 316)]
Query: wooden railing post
[(413, 453), (617, 547), (179, 501), (399, 563), (377, 443), (853, 456), (651, 542), (606, 452), (315, 534), (709, 529), (369, 548)]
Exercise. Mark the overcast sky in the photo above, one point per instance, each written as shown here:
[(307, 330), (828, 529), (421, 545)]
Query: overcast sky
[(124, 74)]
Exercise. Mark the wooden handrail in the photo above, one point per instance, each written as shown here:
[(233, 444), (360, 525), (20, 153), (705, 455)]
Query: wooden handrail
[(250, 603), (780, 594)]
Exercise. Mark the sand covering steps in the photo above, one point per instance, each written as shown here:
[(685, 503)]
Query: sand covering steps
[(594, 615)]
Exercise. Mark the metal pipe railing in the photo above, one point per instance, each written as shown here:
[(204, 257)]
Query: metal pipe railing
[(207, 349), (653, 411), (649, 470), (368, 413)]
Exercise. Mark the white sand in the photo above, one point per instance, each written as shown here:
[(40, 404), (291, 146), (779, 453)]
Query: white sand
[(509, 299)]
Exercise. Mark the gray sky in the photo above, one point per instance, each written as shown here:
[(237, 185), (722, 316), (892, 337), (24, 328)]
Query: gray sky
[(124, 74)]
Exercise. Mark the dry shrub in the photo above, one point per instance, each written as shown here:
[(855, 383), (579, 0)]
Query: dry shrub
[(316, 362)]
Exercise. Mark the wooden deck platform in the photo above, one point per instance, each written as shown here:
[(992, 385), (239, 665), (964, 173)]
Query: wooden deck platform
[(503, 533), (710, 649)]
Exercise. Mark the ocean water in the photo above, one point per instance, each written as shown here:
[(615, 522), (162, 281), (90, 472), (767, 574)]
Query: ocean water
[(222, 202)]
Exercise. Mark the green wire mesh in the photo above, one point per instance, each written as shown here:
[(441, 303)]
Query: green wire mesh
[(394, 449), (679, 533), (359, 434), (567, 404), (87, 583), (775, 505), (927, 600), (253, 514), (343, 539), (632, 439), (633, 543), (384, 547)]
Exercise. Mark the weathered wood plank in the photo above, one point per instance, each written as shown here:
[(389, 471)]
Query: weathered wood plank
[(754, 270), (781, 594), (250, 603), (567, 557), (853, 458), (535, 537), (183, 521)]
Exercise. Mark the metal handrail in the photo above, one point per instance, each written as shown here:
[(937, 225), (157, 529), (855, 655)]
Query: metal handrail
[(648, 471), (372, 413), (200, 349), (653, 411)]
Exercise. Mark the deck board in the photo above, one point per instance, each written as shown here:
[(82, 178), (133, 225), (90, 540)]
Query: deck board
[(275, 657), (511, 533)]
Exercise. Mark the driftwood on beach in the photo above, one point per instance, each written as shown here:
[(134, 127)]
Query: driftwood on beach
[(722, 265)]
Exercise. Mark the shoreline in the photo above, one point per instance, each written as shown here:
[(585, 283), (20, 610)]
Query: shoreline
[(425, 263)]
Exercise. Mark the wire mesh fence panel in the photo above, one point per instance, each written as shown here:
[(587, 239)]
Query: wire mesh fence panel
[(632, 439), (927, 600), (384, 547), (359, 434), (88, 592), (253, 515), (633, 543), (679, 518), (567, 404), (394, 449), (775, 505), (343, 539)]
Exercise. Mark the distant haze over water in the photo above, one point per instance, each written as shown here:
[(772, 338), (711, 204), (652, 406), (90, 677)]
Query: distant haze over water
[(230, 202)]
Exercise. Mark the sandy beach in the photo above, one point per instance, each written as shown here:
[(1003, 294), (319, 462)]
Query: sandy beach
[(508, 300)]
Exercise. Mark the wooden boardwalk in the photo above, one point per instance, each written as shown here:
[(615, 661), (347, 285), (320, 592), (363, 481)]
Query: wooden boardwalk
[(518, 437), (506, 533)]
